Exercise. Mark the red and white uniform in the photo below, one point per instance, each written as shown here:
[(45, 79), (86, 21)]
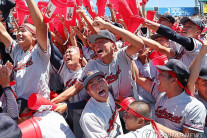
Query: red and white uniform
[(53, 125), (205, 104), (69, 78), (31, 70), (184, 55), (117, 73), (95, 119), (179, 111)]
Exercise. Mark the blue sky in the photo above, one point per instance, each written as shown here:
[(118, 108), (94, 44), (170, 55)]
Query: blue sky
[(165, 3)]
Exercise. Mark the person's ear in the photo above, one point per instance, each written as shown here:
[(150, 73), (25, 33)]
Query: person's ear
[(140, 121)]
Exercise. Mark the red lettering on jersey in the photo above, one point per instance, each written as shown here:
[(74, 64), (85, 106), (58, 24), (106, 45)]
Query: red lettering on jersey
[(70, 83), (162, 113), (111, 78), (20, 66)]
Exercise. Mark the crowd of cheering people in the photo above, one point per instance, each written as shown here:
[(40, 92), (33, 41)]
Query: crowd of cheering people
[(106, 80)]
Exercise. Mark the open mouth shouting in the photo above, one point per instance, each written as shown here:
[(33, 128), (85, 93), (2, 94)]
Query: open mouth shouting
[(102, 93)]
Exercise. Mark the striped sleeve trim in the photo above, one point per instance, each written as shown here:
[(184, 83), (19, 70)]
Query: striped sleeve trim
[(61, 68), (200, 128), (11, 47)]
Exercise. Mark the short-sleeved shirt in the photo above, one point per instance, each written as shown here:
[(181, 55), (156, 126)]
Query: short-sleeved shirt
[(53, 125), (31, 70), (179, 111), (144, 132), (205, 104), (186, 57), (117, 73), (69, 78), (95, 119)]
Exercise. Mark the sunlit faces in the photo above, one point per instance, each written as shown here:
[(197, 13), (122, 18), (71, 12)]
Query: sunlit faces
[(24, 38), (71, 57), (163, 41), (98, 88), (201, 86), (165, 81), (190, 30), (165, 22), (130, 121), (103, 47)]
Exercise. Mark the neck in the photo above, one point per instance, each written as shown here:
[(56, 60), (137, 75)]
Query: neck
[(75, 67), (174, 91), (108, 59), (25, 49)]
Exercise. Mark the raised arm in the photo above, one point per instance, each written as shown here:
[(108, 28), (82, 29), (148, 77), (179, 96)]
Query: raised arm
[(195, 68), (186, 42), (87, 19), (4, 36), (169, 52), (141, 80), (41, 27), (135, 41), (68, 93)]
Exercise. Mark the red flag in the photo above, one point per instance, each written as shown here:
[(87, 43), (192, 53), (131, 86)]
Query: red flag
[(54, 7), (150, 15), (161, 60), (124, 11), (101, 5), (88, 4), (79, 2), (19, 2), (133, 6), (70, 14), (135, 23), (23, 15), (42, 5)]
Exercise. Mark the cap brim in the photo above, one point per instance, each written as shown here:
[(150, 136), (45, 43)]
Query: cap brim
[(160, 67), (162, 16), (153, 37), (85, 83), (203, 77), (93, 37)]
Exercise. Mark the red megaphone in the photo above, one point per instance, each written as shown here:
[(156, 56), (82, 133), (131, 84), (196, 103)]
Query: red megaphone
[(38, 102)]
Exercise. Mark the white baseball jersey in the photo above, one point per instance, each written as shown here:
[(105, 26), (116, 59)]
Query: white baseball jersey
[(142, 93), (117, 73), (205, 104), (53, 125), (69, 78), (144, 132), (95, 119), (31, 70), (186, 56), (179, 111)]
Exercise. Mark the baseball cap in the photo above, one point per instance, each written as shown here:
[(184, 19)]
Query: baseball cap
[(90, 75), (9, 127), (167, 16), (102, 34), (203, 73), (195, 20), (177, 66), (154, 36), (5, 7)]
